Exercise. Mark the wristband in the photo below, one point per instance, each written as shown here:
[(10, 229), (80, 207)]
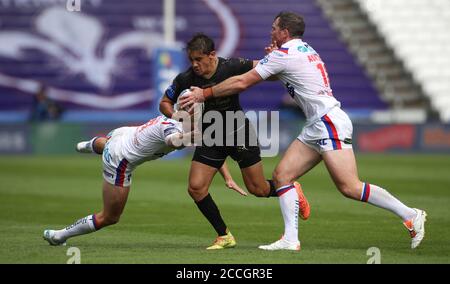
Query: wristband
[(207, 93)]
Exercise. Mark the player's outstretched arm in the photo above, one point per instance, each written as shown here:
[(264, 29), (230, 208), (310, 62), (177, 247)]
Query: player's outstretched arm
[(271, 78), (180, 140), (176, 140), (234, 84), (230, 86), (229, 182)]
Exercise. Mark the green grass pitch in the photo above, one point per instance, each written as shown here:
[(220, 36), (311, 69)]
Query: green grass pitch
[(161, 224)]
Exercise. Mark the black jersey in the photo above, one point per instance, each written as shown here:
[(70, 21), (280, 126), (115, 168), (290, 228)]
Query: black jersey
[(226, 68), (225, 134)]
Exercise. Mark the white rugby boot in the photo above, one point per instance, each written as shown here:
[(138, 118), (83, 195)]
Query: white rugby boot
[(49, 236), (282, 244), (416, 227)]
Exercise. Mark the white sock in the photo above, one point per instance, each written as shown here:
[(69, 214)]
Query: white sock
[(378, 196), (88, 146), (82, 226), (289, 204)]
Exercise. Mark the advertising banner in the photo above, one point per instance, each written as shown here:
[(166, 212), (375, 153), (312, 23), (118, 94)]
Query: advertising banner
[(167, 64)]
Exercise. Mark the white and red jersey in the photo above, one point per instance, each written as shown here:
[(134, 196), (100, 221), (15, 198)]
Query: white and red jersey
[(147, 141), (303, 73)]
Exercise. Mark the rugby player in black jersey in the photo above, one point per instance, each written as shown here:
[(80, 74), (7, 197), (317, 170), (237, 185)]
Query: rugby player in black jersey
[(207, 69)]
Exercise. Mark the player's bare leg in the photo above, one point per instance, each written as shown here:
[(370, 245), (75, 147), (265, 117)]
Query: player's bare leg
[(255, 181), (341, 165), (297, 161), (95, 145), (200, 178), (114, 200)]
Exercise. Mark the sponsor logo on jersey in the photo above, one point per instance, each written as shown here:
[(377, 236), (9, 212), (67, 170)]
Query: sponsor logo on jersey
[(290, 89), (170, 130), (264, 60), (170, 92), (277, 53), (241, 60), (106, 153), (108, 174), (306, 48)]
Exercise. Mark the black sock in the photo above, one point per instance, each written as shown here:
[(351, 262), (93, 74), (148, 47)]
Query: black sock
[(273, 190), (211, 212)]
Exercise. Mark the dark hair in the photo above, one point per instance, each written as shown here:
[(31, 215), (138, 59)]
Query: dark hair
[(291, 21), (200, 42)]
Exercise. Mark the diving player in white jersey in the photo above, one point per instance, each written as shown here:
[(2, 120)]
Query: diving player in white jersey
[(122, 151), (326, 136)]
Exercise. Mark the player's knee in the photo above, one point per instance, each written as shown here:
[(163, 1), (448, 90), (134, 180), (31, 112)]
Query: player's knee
[(349, 191), (194, 189), (345, 191), (197, 191), (256, 189), (111, 219), (280, 178)]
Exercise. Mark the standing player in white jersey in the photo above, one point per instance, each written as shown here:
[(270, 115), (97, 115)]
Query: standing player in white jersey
[(326, 136), (122, 151)]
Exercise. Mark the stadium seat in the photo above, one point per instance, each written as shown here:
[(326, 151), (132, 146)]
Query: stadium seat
[(418, 33)]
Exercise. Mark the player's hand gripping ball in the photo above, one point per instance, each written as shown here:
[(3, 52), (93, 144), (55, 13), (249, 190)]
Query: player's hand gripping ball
[(198, 107)]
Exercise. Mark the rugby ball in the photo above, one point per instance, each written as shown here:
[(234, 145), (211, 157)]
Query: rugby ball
[(186, 92)]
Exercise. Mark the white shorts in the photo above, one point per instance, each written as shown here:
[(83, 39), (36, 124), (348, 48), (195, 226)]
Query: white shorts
[(116, 169), (332, 132)]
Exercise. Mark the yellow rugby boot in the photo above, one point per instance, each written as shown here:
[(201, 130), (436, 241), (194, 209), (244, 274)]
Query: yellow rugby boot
[(223, 242)]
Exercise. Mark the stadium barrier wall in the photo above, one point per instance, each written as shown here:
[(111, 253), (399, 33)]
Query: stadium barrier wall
[(60, 138)]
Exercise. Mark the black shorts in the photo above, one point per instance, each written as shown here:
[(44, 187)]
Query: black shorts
[(215, 156), (242, 141)]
